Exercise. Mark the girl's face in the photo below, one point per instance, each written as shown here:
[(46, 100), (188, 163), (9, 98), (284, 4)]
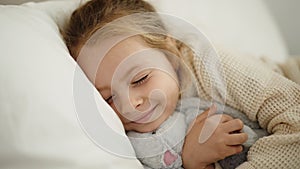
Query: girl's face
[(139, 83)]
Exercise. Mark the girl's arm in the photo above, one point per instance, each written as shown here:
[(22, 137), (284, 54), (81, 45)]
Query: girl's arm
[(264, 96)]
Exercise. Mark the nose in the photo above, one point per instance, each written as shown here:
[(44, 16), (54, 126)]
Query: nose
[(136, 101), (133, 105), (133, 102)]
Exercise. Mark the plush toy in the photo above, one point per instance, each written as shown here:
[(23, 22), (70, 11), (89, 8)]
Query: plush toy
[(162, 148)]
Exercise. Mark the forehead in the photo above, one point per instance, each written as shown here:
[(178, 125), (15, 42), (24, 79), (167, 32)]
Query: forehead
[(107, 54), (130, 56), (124, 49), (120, 56)]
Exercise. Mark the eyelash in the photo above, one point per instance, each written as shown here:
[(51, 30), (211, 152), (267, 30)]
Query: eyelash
[(109, 100), (140, 81)]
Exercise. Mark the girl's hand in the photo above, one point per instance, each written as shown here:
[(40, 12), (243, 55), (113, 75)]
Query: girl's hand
[(223, 141)]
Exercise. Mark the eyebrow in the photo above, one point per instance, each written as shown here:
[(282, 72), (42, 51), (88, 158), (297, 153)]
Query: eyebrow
[(131, 70)]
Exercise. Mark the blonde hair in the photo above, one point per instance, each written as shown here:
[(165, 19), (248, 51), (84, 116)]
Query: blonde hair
[(110, 16)]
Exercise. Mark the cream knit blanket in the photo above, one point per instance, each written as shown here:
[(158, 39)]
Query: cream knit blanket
[(264, 96), (291, 68)]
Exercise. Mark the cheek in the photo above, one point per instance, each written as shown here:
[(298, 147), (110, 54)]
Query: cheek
[(170, 88), (122, 118), (172, 92), (116, 111), (166, 86)]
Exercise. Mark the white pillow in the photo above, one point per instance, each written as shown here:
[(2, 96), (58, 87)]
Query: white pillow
[(38, 109), (241, 25), (38, 119)]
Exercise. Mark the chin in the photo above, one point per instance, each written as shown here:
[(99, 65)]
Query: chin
[(146, 127), (147, 130)]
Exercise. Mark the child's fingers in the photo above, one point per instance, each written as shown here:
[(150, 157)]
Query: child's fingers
[(218, 119), (212, 124), (234, 150), (233, 125), (212, 110), (236, 139), (208, 112), (228, 151)]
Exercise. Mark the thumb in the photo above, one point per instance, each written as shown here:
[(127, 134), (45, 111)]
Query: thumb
[(210, 125), (204, 115), (207, 113)]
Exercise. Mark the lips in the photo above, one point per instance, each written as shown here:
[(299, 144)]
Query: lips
[(146, 116)]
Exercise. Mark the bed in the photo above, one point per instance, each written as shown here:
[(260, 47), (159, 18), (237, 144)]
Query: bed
[(39, 105)]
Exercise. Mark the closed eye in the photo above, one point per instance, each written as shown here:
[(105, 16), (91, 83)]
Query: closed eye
[(140, 81), (109, 100)]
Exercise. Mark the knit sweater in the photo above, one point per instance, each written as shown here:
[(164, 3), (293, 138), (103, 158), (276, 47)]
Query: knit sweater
[(264, 96)]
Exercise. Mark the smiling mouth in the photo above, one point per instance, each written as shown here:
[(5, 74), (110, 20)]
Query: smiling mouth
[(146, 116)]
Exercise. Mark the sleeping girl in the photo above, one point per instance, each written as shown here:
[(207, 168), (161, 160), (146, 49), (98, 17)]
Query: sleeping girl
[(157, 87)]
